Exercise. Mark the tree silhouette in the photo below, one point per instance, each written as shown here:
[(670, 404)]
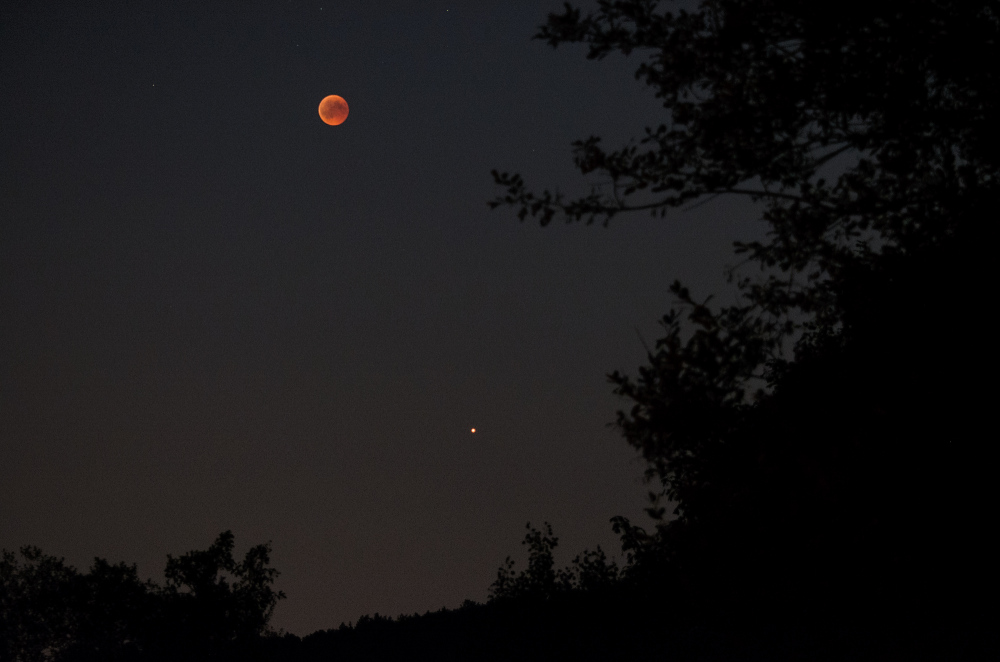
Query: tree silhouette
[(37, 595), (215, 599), (817, 441), (210, 606), (590, 570)]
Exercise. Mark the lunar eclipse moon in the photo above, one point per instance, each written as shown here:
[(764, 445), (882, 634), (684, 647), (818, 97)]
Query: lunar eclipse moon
[(333, 110)]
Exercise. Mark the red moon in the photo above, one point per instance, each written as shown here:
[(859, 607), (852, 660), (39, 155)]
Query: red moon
[(333, 110)]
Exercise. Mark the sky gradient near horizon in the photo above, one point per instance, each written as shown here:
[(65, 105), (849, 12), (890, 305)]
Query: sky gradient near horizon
[(217, 312)]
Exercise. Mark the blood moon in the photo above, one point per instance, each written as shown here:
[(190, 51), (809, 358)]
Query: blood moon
[(333, 110)]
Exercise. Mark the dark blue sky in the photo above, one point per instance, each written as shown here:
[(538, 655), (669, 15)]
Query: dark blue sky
[(217, 312)]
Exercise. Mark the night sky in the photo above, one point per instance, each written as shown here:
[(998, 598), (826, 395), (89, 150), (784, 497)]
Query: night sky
[(217, 312)]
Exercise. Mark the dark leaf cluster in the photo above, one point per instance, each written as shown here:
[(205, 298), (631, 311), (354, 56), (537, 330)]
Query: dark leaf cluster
[(856, 129)]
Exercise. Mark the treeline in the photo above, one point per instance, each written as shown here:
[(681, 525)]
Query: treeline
[(818, 453), (209, 604), (214, 608), (595, 610)]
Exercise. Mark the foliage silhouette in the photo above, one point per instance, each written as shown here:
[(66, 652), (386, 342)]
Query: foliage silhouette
[(817, 442), (590, 571), (814, 449), (210, 606)]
